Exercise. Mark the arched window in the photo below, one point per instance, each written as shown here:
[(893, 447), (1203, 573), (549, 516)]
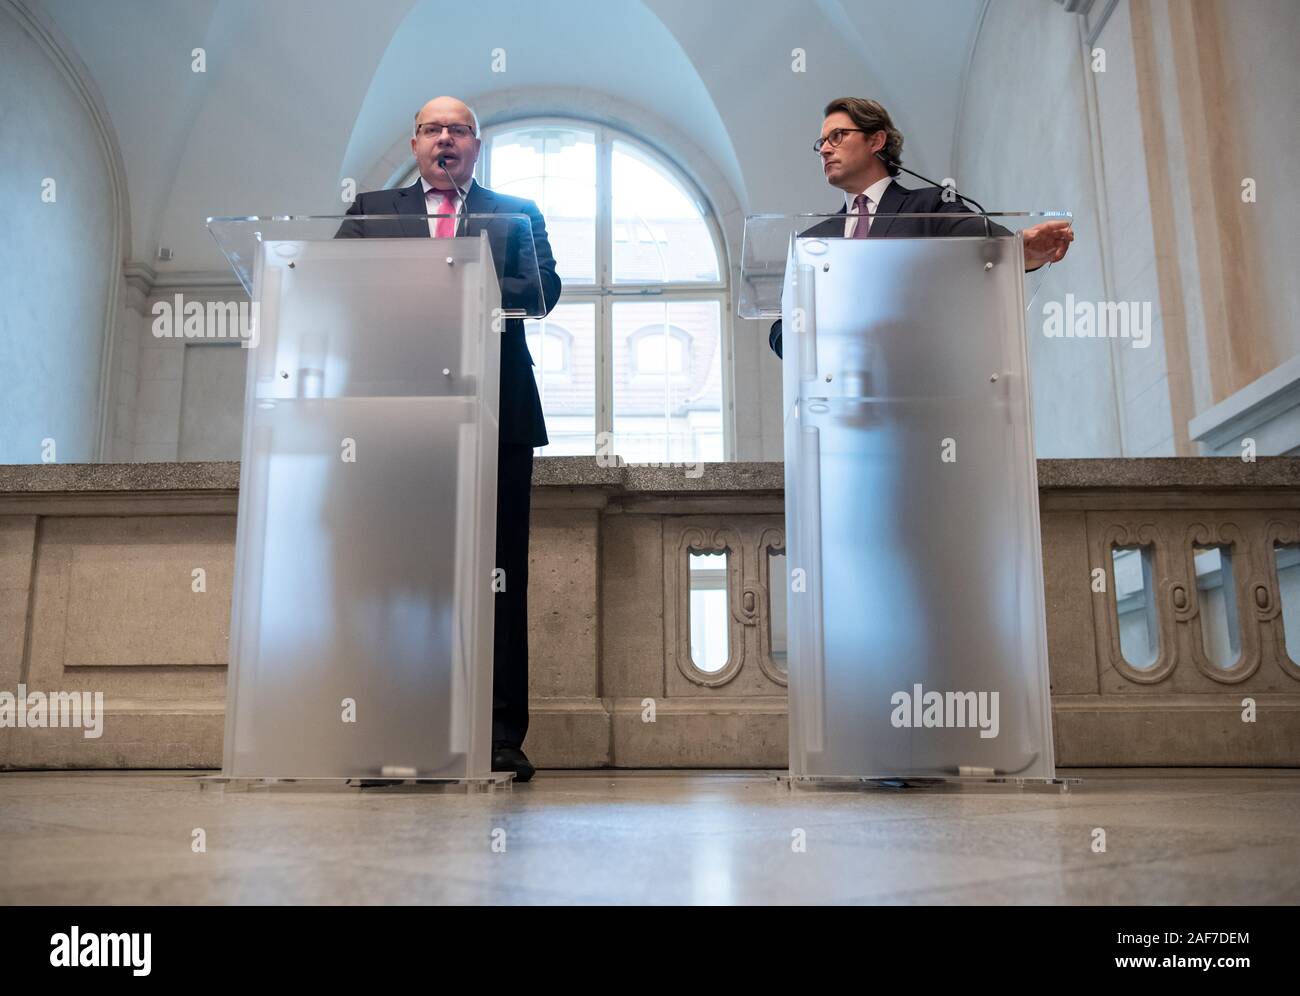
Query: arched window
[(638, 251)]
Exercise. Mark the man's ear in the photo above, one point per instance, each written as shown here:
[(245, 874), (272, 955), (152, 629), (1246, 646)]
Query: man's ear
[(878, 139)]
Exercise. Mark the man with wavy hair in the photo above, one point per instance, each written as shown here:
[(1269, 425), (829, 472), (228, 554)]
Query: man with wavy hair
[(859, 148)]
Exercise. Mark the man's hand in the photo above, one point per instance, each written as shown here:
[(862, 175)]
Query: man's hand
[(1046, 243)]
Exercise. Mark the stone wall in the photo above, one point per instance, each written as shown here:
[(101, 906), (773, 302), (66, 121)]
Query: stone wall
[(96, 567)]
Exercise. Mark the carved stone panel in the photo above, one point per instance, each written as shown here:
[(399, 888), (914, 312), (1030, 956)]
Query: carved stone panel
[(749, 669), (1183, 664)]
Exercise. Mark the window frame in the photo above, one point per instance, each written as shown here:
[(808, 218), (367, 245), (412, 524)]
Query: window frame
[(604, 291)]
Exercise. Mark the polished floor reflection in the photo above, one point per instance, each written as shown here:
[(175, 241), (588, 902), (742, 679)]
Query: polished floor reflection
[(1205, 836)]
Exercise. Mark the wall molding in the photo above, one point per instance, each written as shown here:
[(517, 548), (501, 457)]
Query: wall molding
[(144, 278), (1095, 28), (1266, 409)]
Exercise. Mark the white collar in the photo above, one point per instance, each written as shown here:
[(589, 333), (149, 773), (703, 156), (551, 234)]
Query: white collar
[(427, 186), (873, 192)]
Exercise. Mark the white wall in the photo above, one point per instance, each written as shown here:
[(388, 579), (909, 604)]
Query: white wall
[(1149, 152), (55, 258), (1261, 41), (1124, 196), (1022, 144)]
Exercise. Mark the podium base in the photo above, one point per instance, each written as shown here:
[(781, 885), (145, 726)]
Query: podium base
[(485, 783), (944, 782)]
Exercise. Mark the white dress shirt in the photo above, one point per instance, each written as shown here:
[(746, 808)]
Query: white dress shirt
[(874, 193)]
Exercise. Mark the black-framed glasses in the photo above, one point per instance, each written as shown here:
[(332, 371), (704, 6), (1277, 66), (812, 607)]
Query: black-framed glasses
[(431, 130), (835, 137)]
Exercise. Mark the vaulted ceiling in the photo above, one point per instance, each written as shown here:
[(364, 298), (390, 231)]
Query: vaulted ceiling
[(298, 94)]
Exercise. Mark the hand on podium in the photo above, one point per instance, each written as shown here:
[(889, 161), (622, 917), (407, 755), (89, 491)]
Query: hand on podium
[(1046, 243)]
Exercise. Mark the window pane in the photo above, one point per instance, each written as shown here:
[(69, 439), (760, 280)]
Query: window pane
[(1135, 604), (1287, 560), (556, 167), (777, 582), (708, 573), (671, 415), (658, 233), (1217, 594), (659, 354), (563, 346)]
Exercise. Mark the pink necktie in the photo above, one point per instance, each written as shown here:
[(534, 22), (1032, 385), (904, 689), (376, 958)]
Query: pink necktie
[(444, 228), (864, 217)]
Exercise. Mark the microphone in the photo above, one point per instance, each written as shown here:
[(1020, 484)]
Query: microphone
[(889, 162), (462, 195)]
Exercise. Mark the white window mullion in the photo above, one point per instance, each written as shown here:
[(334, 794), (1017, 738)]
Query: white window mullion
[(604, 268), (728, 377)]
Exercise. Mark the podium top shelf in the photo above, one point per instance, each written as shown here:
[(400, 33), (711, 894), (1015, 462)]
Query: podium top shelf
[(509, 240), (770, 238)]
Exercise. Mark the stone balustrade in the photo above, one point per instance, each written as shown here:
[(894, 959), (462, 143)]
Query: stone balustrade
[(97, 569)]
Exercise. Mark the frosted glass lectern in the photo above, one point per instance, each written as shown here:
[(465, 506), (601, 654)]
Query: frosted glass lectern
[(361, 628), (917, 641)]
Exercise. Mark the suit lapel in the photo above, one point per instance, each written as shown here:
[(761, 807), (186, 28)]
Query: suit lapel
[(478, 201), (891, 202), (410, 201), (828, 228)]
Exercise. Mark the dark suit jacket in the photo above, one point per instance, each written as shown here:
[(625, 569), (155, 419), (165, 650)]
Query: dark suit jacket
[(897, 199), (520, 415)]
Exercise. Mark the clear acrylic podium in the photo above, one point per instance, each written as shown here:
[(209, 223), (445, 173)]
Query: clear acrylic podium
[(917, 642), (361, 630)]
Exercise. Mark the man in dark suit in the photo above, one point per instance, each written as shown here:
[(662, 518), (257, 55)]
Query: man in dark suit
[(856, 134), (446, 146)]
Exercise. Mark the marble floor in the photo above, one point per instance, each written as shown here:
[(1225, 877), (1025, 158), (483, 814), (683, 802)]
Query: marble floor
[(1171, 836)]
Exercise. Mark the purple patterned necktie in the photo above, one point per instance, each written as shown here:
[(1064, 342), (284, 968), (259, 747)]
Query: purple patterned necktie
[(864, 216)]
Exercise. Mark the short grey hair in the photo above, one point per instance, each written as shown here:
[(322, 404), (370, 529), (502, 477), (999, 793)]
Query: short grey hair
[(415, 122)]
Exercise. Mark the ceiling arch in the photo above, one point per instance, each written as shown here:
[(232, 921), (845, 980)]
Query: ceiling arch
[(299, 94)]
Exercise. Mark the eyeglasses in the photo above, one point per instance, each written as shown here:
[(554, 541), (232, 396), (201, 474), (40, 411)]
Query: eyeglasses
[(431, 130), (835, 137)]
